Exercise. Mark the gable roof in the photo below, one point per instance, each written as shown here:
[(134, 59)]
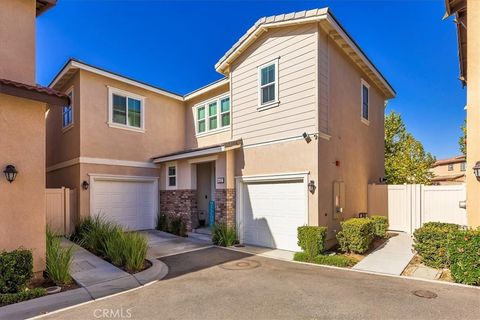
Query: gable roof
[(456, 159), (328, 22)]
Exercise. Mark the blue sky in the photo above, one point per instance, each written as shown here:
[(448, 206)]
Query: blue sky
[(175, 45)]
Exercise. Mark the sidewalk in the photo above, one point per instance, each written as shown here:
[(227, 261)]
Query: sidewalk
[(391, 258)]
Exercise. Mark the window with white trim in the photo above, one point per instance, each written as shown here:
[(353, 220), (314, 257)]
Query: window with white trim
[(450, 167), (268, 84), (463, 166), (213, 115), (126, 109), (67, 111), (171, 175), (365, 102)]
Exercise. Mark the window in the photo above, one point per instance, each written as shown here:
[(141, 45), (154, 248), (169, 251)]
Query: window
[(213, 115), (172, 175), (463, 166), (450, 167), (365, 94), (268, 84), (67, 111), (126, 110)]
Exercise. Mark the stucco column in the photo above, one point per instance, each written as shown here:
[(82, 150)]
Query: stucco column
[(473, 111)]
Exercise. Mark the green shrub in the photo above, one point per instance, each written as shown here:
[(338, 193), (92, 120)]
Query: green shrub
[(178, 226), (92, 234), (224, 235), (430, 242), (162, 222), (135, 251), (334, 260), (16, 269), (58, 260), (380, 226), (115, 247), (464, 256), (312, 239), (9, 298), (356, 235)]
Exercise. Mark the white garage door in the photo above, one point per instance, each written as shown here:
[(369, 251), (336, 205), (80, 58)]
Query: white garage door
[(129, 203), (271, 213)]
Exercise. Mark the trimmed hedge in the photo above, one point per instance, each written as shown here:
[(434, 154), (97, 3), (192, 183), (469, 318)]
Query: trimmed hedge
[(356, 235), (464, 256), (380, 226), (335, 260), (16, 269), (312, 239), (9, 298), (430, 242)]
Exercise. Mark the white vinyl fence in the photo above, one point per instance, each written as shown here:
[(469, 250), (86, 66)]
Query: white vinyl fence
[(409, 206), (61, 204)]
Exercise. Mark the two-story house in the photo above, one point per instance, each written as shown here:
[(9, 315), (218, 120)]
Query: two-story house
[(22, 131), (291, 136), (449, 171)]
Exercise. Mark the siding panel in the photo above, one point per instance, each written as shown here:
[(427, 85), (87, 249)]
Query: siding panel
[(296, 48)]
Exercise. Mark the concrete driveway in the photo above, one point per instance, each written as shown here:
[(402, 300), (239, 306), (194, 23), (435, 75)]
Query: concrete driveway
[(216, 283)]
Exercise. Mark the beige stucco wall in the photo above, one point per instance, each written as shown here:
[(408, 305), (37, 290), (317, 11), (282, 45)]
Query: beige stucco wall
[(64, 144), (22, 203), (473, 111), (17, 40), (442, 170), (191, 141), (358, 147), (164, 123)]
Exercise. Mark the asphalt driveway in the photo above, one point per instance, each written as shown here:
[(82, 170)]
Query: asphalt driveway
[(216, 283)]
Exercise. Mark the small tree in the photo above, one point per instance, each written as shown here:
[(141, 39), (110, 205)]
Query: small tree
[(406, 161), (462, 141)]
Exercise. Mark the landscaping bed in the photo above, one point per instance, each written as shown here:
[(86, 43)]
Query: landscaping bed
[(109, 241)]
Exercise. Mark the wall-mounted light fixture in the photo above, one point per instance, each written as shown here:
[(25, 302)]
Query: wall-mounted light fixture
[(476, 170), (311, 186), (307, 138), (10, 173), (85, 185)]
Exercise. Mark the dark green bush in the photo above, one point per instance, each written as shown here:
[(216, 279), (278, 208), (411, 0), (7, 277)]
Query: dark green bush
[(464, 256), (9, 298), (16, 269), (380, 225), (162, 222), (430, 242), (356, 235), (312, 239), (224, 235), (178, 226), (334, 260)]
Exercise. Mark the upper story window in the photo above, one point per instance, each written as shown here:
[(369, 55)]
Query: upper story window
[(450, 167), (67, 111), (171, 175), (463, 166), (213, 115), (268, 84), (126, 110), (365, 101)]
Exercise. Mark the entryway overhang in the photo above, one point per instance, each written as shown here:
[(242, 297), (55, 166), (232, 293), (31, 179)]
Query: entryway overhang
[(198, 152)]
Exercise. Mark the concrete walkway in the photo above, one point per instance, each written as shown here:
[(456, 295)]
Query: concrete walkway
[(390, 258), (162, 244)]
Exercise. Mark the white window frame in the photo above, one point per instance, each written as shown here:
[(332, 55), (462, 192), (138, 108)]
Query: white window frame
[(69, 91), (111, 92), (168, 176), (450, 167), (205, 104), (362, 84), (463, 166), (275, 102)]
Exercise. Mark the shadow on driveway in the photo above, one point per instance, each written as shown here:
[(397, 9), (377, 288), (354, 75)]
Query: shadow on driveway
[(184, 263)]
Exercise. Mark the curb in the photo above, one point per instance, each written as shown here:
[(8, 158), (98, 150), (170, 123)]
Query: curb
[(39, 307)]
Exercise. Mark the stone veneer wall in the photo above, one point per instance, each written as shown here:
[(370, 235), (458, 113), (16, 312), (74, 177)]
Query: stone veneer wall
[(225, 206), (175, 203)]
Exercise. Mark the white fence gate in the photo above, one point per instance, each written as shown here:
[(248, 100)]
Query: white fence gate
[(409, 206)]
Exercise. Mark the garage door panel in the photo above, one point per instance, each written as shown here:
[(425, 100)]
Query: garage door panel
[(131, 204), (272, 212)]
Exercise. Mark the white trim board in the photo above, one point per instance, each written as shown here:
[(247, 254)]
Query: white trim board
[(101, 161)]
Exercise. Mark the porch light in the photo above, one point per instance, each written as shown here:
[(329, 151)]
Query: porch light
[(85, 185), (10, 173), (476, 170), (311, 186), (307, 138)]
